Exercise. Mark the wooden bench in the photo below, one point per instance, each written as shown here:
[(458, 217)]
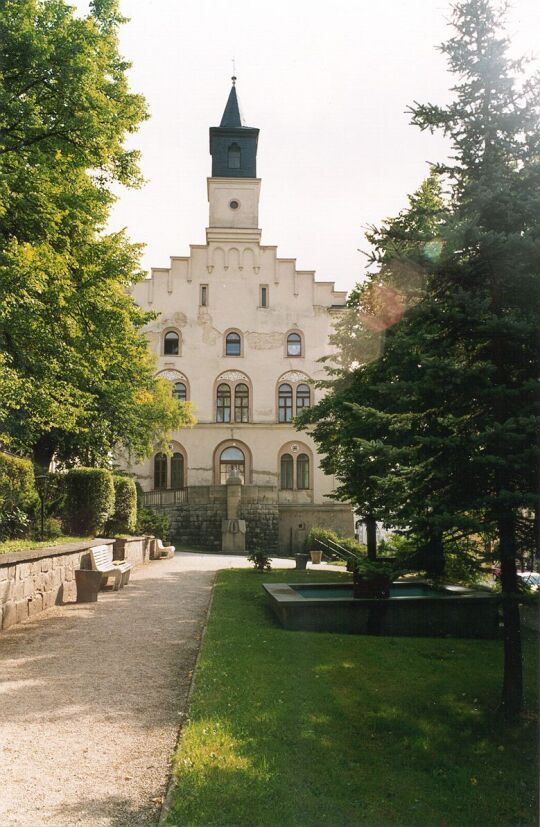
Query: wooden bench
[(102, 561)]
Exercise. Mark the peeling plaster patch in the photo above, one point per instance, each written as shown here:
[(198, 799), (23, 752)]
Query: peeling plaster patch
[(176, 320), (265, 341)]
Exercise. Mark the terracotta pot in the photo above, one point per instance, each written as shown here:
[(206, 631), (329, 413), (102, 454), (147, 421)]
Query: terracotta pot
[(316, 556)]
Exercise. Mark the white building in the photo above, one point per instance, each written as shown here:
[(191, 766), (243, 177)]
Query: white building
[(240, 333)]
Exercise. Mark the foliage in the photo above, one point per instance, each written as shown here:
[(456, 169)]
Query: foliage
[(369, 569), (280, 716), (17, 483), (154, 523), (76, 376), (124, 516), (89, 500), (436, 428), (14, 523), (260, 559)]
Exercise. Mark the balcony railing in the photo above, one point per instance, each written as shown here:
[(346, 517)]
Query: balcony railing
[(165, 496)]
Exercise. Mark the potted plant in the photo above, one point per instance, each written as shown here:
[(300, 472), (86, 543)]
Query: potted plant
[(372, 580), (316, 555)]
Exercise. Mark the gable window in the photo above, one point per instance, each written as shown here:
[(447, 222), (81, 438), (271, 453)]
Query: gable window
[(263, 295), (286, 475), (302, 472), (234, 157), (303, 397), (171, 344), (160, 471), (241, 403), (204, 295), (179, 391), (231, 459), (294, 344), (223, 411), (177, 470), (285, 403), (233, 344)]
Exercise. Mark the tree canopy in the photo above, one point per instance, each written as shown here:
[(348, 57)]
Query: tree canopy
[(436, 384), (76, 376)]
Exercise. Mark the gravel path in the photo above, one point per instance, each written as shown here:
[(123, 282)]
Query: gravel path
[(91, 698)]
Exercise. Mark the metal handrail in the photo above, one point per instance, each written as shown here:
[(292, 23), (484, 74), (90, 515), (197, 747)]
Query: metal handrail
[(337, 550)]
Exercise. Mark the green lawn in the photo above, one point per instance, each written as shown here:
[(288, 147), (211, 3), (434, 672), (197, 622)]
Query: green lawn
[(300, 728), (22, 545)]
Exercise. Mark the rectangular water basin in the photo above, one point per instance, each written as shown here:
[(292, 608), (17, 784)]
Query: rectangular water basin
[(414, 608)]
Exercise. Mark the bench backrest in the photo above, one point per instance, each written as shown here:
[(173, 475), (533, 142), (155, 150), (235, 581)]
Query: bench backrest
[(101, 556)]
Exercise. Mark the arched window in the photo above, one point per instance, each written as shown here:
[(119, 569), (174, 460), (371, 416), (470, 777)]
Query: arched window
[(285, 402), (223, 410), (160, 471), (302, 472), (234, 156), (231, 459), (241, 403), (303, 397), (294, 344), (171, 343), (177, 470), (233, 344), (179, 391), (286, 476)]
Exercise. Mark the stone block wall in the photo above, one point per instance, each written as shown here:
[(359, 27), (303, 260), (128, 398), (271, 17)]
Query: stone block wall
[(262, 526), (37, 579), (135, 550), (196, 526)]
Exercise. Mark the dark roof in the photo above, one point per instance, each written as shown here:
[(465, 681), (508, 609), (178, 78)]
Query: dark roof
[(231, 115)]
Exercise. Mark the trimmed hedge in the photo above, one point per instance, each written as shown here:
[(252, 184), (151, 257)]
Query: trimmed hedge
[(124, 518), (89, 500), (17, 484)]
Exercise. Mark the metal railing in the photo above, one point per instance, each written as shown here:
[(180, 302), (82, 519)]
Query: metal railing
[(165, 496), (335, 550)]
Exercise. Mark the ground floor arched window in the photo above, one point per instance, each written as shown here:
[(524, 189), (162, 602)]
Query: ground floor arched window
[(231, 459), (302, 472), (286, 476), (160, 471), (177, 470)]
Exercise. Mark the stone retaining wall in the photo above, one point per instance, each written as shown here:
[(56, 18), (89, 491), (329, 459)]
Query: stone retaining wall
[(36, 579)]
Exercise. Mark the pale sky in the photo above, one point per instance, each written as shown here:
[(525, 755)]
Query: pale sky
[(326, 83)]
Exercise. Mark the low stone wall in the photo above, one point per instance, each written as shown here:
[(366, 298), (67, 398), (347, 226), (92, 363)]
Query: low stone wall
[(136, 550), (36, 579)]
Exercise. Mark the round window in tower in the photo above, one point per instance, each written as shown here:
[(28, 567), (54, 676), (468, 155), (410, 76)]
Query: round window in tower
[(234, 204)]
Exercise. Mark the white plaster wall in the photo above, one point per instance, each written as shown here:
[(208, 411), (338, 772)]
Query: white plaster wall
[(234, 264)]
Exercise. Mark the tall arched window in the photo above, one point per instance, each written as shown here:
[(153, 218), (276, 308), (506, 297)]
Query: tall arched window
[(285, 402), (286, 476), (302, 472), (233, 344), (234, 157), (294, 344), (223, 411), (160, 471), (303, 397), (177, 470), (241, 403), (171, 343), (179, 391), (231, 459)]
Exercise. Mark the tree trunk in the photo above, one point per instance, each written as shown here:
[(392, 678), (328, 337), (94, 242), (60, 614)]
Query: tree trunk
[(371, 535), (434, 554), (512, 692), (43, 451)]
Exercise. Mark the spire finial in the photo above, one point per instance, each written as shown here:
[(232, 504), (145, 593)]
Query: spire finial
[(233, 72)]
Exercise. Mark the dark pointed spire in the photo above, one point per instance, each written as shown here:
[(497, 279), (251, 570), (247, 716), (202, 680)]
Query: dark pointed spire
[(231, 115)]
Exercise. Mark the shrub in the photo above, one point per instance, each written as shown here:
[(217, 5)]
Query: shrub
[(152, 522), (89, 500), (260, 560), (14, 523), (325, 535), (17, 484), (124, 518)]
